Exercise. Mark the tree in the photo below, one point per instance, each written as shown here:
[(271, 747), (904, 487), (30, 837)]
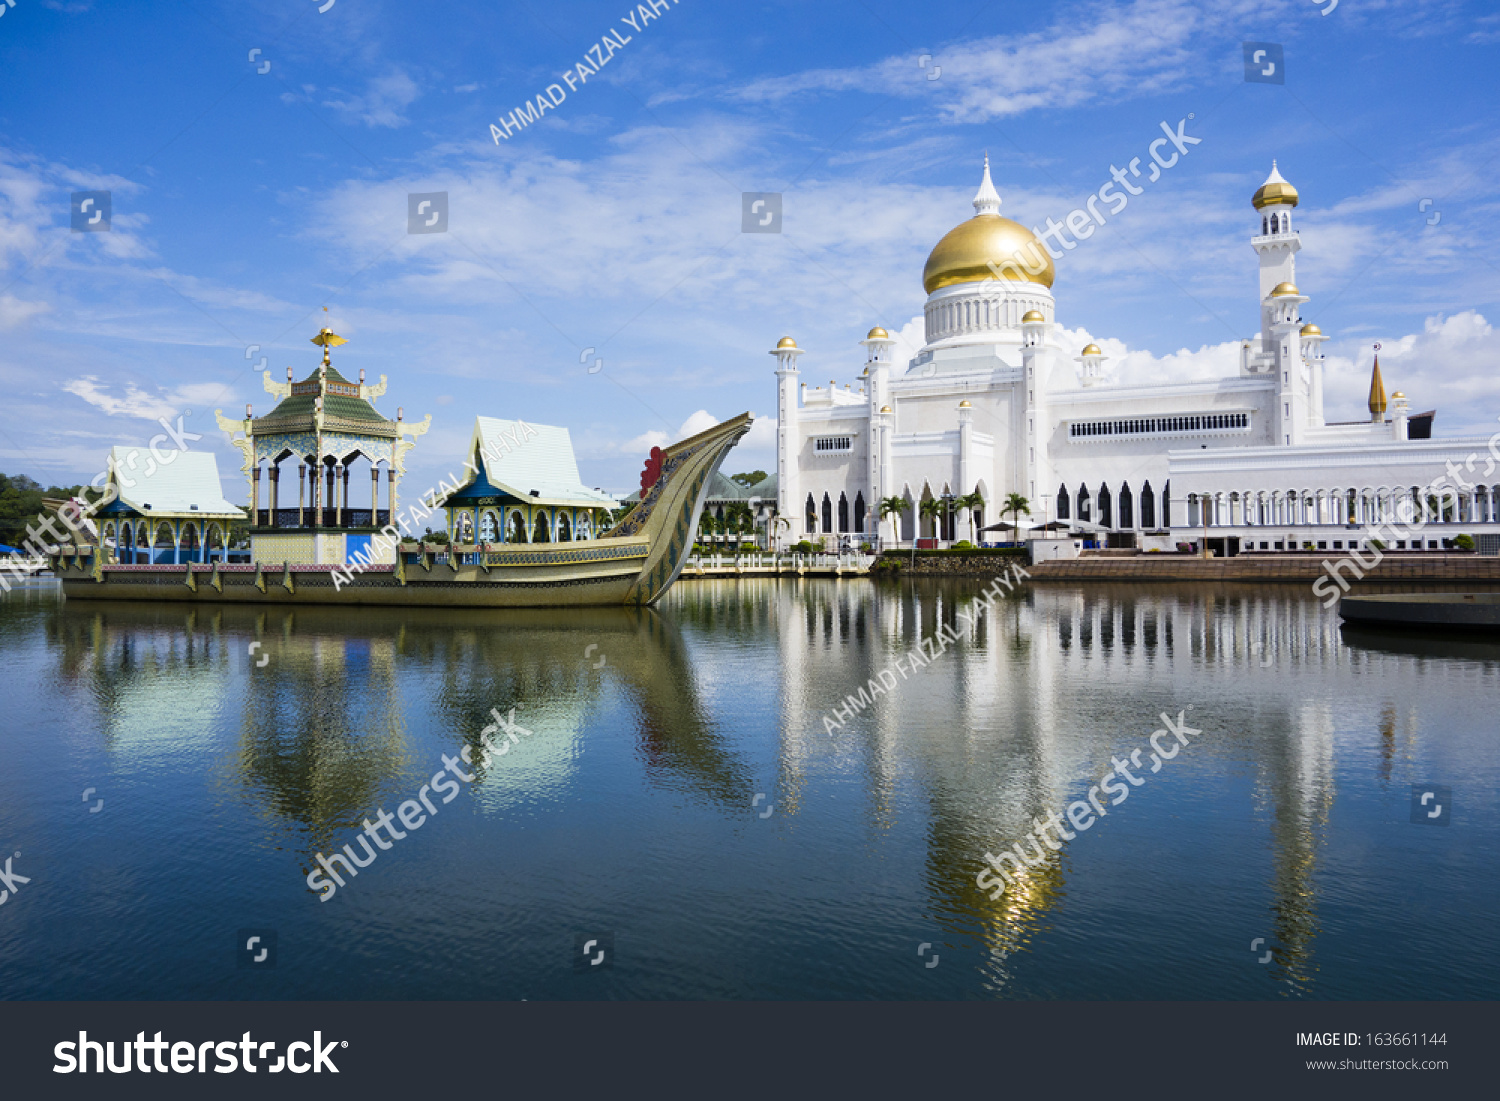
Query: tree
[(755, 477), (893, 506), (970, 503), (931, 509), (738, 518), (777, 521), (1015, 504)]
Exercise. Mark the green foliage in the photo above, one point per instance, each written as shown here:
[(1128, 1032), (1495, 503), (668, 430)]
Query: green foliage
[(964, 545), (1464, 542), (21, 505), (753, 478), (804, 547), (955, 552)]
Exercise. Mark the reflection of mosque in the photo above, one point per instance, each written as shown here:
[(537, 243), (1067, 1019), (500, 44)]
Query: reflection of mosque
[(1022, 674)]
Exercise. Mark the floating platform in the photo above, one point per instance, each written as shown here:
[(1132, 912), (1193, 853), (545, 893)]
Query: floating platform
[(1464, 611)]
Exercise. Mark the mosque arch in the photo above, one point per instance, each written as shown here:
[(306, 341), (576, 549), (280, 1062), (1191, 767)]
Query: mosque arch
[(811, 515), (1062, 502), (1106, 517), (1083, 503), (1148, 507), (827, 515), (1127, 507), (843, 513)]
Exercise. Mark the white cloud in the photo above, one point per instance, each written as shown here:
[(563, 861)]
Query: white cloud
[(384, 103), (140, 404)]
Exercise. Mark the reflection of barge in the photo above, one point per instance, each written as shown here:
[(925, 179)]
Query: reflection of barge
[(1444, 611), (634, 563)]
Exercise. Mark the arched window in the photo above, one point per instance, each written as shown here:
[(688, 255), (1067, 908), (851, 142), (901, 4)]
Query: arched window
[(1104, 507), (1264, 227), (827, 515), (517, 528), (843, 513), (1127, 507), (1275, 224), (489, 528), (811, 515), (1083, 503), (1148, 507), (541, 528), (1166, 505), (564, 530), (859, 512), (1062, 502)]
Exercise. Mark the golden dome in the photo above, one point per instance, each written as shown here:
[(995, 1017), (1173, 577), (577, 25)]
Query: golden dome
[(964, 255), (1032, 315), (1274, 190), (1285, 290), (1093, 350), (885, 408), (1398, 396), (877, 333), (786, 342), (965, 405), (1311, 330)]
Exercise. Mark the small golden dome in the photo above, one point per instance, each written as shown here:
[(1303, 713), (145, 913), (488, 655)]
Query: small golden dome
[(1032, 315), (1285, 290), (786, 342), (1398, 396), (965, 404), (877, 333), (1093, 350), (1311, 330), (885, 408), (1274, 190)]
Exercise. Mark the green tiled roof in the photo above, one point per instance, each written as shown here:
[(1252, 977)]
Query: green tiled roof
[(349, 410)]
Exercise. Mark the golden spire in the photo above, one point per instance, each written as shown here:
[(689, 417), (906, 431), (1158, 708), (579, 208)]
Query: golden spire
[(1377, 390), (328, 339)]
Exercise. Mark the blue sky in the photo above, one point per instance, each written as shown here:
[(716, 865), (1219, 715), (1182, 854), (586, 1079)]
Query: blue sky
[(244, 202)]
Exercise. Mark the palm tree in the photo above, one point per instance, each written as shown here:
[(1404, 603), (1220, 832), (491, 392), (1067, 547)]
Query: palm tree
[(932, 509), (737, 518), (776, 521), (892, 507), (970, 503), (1016, 504)]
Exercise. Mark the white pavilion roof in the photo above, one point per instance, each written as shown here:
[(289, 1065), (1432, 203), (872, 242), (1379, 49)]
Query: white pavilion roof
[(187, 484), (521, 457)]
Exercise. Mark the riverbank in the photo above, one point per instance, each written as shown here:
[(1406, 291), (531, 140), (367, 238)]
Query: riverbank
[(1436, 566)]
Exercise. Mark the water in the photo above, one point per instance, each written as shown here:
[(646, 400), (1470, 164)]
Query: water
[(637, 807)]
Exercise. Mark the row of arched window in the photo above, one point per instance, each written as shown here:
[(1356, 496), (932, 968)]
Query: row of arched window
[(1277, 223), (1117, 510), (812, 511), (544, 529)]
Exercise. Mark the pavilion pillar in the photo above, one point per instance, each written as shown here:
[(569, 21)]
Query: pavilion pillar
[(374, 496), (330, 499), (275, 474), (390, 491), (255, 495), (301, 488), (338, 518)]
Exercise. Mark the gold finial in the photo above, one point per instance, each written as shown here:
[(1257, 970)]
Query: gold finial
[(1377, 390), (328, 339)]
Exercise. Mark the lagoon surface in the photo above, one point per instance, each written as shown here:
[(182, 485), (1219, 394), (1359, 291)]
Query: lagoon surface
[(679, 800)]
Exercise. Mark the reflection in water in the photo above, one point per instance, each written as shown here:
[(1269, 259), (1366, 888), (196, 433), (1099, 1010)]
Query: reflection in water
[(720, 696)]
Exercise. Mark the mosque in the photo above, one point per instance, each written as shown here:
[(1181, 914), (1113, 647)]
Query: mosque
[(994, 403)]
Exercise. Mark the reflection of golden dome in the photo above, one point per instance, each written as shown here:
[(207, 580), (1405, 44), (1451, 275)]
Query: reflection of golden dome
[(1274, 190), (1093, 350), (1285, 290), (1032, 315), (1311, 330), (877, 333), (885, 408), (786, 342), (965, 254)]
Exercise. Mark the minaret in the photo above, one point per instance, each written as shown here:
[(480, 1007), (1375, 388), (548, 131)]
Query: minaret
[(1033, 365), (1091, 365), (1312, 355), (1276, 242), (1282, 334), (788, 438), (1377, 393), (1400, 416), (877, 369)]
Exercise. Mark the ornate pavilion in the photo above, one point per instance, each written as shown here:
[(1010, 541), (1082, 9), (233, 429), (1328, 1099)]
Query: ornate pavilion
[(327, 424), (164, 512)]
